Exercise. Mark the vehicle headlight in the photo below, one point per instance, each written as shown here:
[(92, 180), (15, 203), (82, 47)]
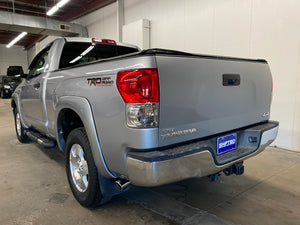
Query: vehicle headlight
[(6, 86)]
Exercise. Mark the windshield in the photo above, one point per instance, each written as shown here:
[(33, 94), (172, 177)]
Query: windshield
[(75, 53), (11, 80)]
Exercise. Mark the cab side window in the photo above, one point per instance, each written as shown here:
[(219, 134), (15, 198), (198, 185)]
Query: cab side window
[(38, 64)]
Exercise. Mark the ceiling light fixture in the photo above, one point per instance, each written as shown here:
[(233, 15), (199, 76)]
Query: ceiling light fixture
[(19, 37), (56, 7)]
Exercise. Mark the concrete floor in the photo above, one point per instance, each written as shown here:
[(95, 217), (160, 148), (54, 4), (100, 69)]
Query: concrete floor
[(34, 190)]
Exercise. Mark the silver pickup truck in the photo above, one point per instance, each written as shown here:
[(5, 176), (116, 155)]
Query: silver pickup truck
[(128, 117)]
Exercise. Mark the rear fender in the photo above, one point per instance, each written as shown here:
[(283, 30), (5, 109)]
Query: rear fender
[(82, 107)]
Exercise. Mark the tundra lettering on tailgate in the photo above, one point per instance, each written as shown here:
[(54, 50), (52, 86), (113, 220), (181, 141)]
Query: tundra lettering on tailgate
[(170, 133)]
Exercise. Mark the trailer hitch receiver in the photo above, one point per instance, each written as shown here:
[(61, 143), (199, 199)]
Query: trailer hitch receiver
[(236, 168)]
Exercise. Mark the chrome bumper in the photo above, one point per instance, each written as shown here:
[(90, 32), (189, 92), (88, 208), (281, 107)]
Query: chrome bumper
[(200, 164)]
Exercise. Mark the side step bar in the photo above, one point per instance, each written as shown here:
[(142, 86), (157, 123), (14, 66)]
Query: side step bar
[(40, 139)]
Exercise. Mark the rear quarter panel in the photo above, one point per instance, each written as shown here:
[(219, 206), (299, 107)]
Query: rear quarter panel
[(107, 106)]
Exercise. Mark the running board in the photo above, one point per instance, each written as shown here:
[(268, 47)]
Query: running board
[(40, 139)]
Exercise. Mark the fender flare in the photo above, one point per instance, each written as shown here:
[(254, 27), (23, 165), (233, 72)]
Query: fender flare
[(83, 109), (15, 98)]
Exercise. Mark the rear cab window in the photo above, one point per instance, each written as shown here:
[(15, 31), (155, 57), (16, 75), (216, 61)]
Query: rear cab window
[(76, 53)]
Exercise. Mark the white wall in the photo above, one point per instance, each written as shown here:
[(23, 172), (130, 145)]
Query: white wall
[(13, 56), (31, 53), (137, 33), (243, 28), (101, 23)]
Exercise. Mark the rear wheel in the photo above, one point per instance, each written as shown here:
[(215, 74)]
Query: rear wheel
[(22, 137), (81, 170)]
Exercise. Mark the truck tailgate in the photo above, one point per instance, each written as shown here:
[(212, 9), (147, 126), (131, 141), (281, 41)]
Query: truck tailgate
[(203, 96)]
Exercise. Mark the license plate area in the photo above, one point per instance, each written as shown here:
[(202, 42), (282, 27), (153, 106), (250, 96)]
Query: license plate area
[(226, 143)]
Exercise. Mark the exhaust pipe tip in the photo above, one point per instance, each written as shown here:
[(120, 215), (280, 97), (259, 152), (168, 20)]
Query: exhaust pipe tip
[(121, 184)]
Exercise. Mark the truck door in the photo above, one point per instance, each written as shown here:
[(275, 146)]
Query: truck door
[(32, 108)]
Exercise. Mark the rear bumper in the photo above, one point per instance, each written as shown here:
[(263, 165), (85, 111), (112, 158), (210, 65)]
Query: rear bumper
[(197, 159)]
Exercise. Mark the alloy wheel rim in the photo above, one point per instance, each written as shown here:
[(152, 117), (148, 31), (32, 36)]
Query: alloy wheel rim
[(18, 123), (78, 168)]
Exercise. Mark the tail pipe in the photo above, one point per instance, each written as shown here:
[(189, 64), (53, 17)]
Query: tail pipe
[(122, 184)]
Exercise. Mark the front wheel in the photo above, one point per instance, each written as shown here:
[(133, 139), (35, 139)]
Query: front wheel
[(22, 137), (81, 170)]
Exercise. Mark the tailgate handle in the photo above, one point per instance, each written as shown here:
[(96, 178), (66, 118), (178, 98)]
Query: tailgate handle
[(231, 79)]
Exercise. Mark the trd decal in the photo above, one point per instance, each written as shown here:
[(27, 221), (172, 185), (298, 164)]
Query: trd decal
[(100, 81)]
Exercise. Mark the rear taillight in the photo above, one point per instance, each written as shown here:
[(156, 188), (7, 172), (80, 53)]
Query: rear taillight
[(138, 86), (140, 91)]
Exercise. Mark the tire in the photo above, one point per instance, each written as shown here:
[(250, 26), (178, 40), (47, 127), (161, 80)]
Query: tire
[(20, 131), (81, 170)]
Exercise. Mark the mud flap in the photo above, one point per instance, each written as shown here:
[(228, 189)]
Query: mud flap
[(108, 189)]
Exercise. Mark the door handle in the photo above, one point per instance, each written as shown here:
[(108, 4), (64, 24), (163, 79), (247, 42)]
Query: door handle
[(37, 85)]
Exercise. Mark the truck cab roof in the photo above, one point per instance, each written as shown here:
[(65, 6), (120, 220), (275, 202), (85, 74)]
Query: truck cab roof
[(83, 39)]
